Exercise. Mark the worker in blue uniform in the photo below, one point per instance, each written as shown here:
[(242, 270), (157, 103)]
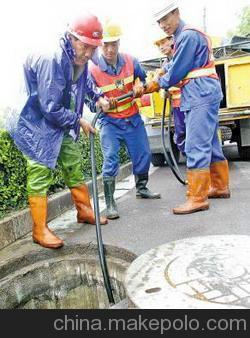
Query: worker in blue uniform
[(193, 70), (115, 73), (49, 123), (165, 45)]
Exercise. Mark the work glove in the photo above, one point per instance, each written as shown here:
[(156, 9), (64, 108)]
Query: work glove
[(164, 94), (151, 87)]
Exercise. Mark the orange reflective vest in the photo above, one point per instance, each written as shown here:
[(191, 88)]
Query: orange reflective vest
[(207, 70), (117, 85)]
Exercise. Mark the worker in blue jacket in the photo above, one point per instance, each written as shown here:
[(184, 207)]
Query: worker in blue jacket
[(48, 127), (193, 70), (115, 73)]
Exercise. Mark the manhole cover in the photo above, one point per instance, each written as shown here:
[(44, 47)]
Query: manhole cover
[(201, 272)]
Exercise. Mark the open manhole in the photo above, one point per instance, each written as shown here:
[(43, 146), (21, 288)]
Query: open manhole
[(68, 278)]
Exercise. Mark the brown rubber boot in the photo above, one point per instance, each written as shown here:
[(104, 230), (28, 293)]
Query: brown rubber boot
[(85, 213), (41, 233), (198, 185), (219, 173)]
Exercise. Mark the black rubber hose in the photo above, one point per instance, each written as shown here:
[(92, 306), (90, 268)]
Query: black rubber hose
[(171, 148), (101, 253), (169, 158)]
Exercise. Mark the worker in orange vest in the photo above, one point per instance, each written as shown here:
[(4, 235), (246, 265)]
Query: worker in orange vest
[(115, 73)]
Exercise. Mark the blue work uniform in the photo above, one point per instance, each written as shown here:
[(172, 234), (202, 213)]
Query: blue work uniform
[(200, 98), (130, 130)]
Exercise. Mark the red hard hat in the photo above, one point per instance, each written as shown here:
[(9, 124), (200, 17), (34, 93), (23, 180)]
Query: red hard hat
[(88, 29)]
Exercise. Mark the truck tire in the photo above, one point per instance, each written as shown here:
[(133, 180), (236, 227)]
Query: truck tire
[(244, 152), (158, 160)]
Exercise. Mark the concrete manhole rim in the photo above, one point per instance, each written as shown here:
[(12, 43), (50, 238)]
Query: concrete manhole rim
[(83, 266), (148, 289), (41, 255), (76, 259)]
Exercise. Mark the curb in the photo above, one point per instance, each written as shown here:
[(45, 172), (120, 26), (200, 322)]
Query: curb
[(19, 224)]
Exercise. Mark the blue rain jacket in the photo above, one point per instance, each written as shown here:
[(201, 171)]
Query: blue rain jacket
[(191, 53), (46, 115)]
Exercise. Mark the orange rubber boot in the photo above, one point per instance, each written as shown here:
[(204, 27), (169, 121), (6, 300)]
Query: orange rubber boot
[(219, 173), (198, 185), (41, 233), (85, 213)]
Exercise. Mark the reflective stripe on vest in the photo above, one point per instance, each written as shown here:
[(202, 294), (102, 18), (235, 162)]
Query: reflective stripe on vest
[(201, 72), (120, 109), (117, 85), (205, 71), (108, 88)]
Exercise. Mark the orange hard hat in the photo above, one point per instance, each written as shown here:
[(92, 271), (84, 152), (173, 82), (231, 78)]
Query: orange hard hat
[(87, 28)]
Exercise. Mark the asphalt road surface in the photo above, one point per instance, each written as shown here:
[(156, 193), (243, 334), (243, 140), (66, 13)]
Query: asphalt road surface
[(145, 224)]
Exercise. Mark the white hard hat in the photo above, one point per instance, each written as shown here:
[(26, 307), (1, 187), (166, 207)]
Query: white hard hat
[(164, 8)]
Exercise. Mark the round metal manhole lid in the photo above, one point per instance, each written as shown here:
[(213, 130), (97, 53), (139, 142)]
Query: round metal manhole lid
[(200, 272)]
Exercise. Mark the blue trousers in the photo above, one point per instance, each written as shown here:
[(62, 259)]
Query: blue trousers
[(136, 141), (202, 142), (179, 128)]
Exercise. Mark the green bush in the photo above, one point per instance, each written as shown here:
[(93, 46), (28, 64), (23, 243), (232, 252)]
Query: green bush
[(13, 195), (12, 176)]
